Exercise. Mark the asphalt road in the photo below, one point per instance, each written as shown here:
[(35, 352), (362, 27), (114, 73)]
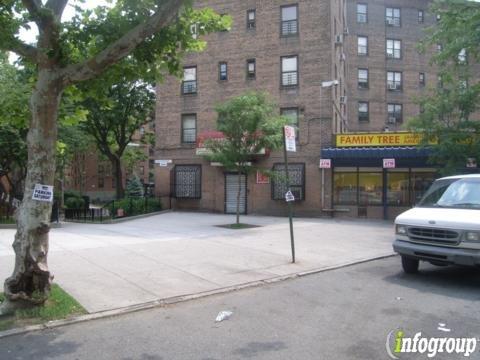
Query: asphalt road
[(340, 314)]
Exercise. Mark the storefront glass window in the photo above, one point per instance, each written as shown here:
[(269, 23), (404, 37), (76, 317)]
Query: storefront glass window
[(370, 188), (345, 188), (397, 189), (420, 182)]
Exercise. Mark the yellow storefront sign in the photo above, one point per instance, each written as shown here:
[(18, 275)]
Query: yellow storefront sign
[(378, 139)]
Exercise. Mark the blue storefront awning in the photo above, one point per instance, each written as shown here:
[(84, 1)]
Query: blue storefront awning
[(373, 156)]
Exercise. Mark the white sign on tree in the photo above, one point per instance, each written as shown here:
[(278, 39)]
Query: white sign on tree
[(290, 139), (43, 193)]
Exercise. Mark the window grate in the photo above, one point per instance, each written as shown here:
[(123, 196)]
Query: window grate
[(187, 182)]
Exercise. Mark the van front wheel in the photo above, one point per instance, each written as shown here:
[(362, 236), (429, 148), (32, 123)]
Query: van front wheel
[(410, 265)]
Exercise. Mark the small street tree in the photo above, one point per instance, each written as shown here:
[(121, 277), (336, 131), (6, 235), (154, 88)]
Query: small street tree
[(114, 114), (250, 124), (447, 115), (153, 33)]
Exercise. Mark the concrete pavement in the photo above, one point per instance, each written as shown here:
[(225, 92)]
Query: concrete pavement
[(116, 265), (343, 314)]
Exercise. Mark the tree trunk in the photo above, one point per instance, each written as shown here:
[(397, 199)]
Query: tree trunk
[(117, 165), (30, 282), (238, 196)]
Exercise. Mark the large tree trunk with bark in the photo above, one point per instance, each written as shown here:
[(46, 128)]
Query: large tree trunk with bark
[(117, 165), (30, 282)]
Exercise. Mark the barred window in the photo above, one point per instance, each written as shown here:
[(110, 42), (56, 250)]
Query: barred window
[(251, 14), (363, 78), (394, 49), (296, 174), (362, 45), (289, 20), (189, 128), (362, 13), (289, 70), (187, 182), (189, 83)]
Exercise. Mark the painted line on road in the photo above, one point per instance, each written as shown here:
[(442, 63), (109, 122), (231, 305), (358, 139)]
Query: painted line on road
[(180, 299)]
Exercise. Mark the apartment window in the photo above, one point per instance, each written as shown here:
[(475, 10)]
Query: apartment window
[(421, 16), (394, 49), (187, 182), (292, 115), (363, 78), (251, 69), (439, 48), (296, 174), (362, 16), (421, 79), (289, 20), (392, 16), (222, 71), (289, 71), (251, 17), (362, 45), (363, 113), (394, 80), (189, 128), (395, 113), (189, 83), (438, 17)]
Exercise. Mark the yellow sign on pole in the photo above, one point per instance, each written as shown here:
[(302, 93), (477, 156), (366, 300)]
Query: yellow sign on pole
[(378, 139)]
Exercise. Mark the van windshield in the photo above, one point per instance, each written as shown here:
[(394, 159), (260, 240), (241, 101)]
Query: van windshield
[(453, 193)]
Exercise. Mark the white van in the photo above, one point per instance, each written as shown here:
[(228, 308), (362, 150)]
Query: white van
[(444, 228)]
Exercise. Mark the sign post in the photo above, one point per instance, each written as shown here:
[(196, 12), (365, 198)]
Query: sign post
[(289, 145)]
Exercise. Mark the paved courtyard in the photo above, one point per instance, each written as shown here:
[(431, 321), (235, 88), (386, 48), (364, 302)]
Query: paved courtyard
[(108, 266)]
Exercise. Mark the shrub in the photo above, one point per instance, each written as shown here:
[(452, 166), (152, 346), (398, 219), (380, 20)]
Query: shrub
[(74, 203)]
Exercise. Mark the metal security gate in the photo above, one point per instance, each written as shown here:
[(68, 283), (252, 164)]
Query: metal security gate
[(231, 190)]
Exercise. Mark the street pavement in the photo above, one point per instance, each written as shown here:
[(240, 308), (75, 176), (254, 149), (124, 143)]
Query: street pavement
[(342, 314), (110, 266)]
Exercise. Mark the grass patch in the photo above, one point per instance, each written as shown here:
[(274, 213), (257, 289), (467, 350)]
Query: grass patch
[(238, 226), (59, 305)]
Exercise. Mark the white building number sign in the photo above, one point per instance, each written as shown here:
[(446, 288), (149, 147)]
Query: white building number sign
[(290, 138), (43, 193)]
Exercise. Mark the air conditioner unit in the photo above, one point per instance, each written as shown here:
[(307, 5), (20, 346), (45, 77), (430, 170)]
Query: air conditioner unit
[(392, 86), (392, 120), (390, 22), (343, 99), (338, 40)]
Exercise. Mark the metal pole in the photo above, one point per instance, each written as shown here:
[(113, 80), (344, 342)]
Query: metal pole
[(289, 203)]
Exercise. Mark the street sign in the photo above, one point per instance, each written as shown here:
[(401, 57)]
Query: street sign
[(43, 193), (389, 163), (325, 163), (471, 163), (163, 163), (290, 139), (289, 196)]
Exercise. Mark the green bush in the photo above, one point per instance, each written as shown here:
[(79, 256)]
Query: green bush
[(136, 206), (74, 203)]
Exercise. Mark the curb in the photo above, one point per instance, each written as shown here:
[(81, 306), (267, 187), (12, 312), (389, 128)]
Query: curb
[(121, 220), (180, 299)]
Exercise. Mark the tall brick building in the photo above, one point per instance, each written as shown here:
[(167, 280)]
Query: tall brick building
[(344, 71)]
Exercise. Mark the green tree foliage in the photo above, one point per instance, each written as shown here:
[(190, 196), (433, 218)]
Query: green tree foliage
[(250, 124), (133, 37), (448, 111), (114, 114), (134, 187)]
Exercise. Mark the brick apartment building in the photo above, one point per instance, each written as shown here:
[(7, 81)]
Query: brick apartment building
[(345, 71)]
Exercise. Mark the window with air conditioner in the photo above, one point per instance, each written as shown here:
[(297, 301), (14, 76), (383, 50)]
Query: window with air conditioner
[(394, 113), (363, 78), (189, 83), (363, 111), (394, 49), (362, 16), (189, 128), (394, 81), (392, 17)]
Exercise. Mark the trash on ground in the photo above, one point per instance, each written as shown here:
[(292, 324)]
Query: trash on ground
[(223, 315)]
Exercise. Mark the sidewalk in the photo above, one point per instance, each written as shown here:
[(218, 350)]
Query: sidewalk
[(116, 265)]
